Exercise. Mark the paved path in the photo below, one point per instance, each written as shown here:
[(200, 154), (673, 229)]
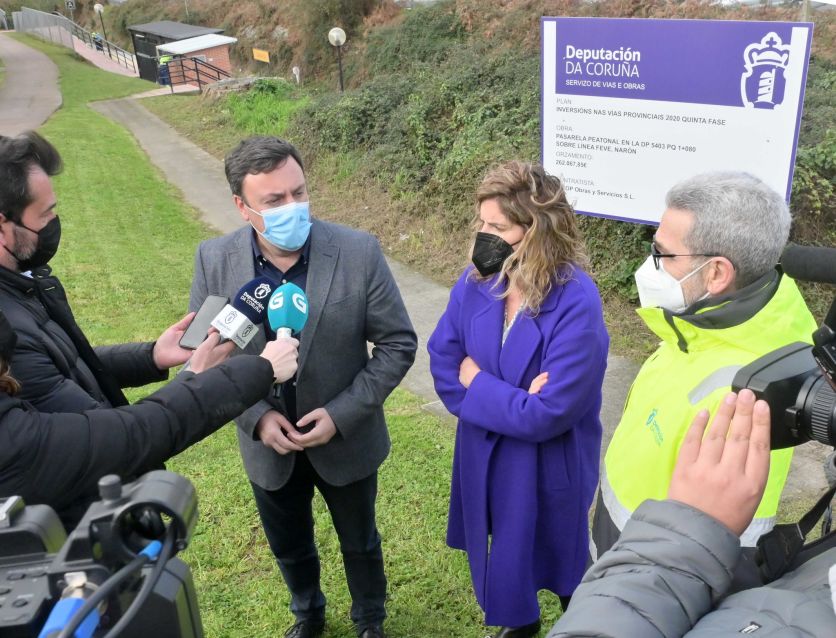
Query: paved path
[(29, 93), (201, 179)]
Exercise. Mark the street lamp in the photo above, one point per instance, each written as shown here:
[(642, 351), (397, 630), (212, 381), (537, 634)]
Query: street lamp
[(336, 37), (99, 8)]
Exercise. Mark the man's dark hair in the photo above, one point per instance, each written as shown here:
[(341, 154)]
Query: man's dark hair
[(257, 155), (18, 156)]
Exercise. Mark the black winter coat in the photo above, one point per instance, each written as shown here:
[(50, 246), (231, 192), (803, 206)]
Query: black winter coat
[(57, 459), (57, 368)]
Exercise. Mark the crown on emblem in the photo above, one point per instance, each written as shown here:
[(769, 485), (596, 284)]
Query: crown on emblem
[(771, 51)]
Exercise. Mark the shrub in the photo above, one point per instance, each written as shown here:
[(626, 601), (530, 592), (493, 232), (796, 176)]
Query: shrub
[(814, 193), (356, 119), (426, 36), (267, 108)]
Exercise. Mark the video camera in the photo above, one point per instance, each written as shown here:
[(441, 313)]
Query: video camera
[(798, 381), (116, 574)]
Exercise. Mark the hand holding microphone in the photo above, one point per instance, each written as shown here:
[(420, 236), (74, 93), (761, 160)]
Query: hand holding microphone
[(282, 355), (287, 312)]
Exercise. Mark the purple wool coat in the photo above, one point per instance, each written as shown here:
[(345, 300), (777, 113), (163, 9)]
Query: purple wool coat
[(525, 466)]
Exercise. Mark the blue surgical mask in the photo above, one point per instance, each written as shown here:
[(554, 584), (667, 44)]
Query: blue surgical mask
[(286, 227)]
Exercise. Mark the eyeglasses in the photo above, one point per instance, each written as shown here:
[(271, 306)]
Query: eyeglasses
[(658, 255)]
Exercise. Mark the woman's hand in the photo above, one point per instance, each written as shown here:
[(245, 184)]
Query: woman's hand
[(468, 371), (538, 383)]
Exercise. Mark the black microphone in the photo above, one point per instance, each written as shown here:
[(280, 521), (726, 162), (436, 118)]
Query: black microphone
[(239, 320), (810, 263)]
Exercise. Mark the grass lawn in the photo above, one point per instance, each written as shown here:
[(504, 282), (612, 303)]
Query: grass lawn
[(126, 262)]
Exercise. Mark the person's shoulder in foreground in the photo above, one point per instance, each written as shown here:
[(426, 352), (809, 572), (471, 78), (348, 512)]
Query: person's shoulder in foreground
[(675, 558)]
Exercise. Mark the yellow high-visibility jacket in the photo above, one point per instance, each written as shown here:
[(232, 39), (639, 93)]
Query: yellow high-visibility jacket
[(693, 369)]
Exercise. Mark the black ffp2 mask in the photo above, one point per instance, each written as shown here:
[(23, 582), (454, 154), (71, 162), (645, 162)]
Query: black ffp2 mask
[(489, 253), (48, 239)]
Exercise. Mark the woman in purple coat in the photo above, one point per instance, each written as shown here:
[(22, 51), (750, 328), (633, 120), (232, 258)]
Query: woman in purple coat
[(519, 357)]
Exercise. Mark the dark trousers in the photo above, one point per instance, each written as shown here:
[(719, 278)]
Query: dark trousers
[(287, 517)]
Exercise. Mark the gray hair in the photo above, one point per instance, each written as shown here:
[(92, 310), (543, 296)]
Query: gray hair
[(736, 215)]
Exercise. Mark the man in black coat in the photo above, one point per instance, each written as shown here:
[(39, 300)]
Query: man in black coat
[(57, 459), (57, 368)]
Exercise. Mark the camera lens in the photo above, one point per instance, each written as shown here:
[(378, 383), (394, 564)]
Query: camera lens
[(820, 411)]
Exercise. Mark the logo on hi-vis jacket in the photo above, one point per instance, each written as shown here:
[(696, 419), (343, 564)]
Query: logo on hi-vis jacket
[(653, 425)]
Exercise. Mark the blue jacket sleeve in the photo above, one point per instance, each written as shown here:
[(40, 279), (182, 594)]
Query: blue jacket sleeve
[(575, 358)]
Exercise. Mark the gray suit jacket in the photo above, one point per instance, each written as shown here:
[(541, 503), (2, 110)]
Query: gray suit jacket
[(352, 299)]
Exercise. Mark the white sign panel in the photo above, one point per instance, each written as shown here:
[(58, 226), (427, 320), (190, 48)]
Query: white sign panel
[(630, 107)]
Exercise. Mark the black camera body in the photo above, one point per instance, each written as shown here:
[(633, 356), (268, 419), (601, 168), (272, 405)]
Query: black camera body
[(40, 565), (798, 381), (801, 400)]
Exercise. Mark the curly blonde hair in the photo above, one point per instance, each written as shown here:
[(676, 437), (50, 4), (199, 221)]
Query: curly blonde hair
[(552, 245)]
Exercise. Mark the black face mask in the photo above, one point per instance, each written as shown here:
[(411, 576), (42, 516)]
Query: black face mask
[(489, 253), (48, 239), (8, 339)]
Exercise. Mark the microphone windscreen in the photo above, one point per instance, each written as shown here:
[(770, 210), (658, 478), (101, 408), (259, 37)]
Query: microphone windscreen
[(251, 300), (288, 308), (810, 263)]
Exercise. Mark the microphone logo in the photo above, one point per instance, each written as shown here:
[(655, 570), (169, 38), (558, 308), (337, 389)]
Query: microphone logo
[(276, 301), (300, 302), (230, 317), (262, 291), (246, 332)]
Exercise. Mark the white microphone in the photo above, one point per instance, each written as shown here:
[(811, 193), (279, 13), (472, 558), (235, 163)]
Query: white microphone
[(238, 321)]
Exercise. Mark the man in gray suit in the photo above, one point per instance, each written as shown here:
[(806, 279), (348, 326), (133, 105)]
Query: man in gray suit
[(326, 429)]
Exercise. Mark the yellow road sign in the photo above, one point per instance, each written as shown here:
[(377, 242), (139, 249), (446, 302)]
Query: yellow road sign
[(261, 55)]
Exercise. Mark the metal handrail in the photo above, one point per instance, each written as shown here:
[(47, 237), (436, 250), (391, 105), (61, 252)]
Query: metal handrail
[(194, 71), (59, 29), (119, 55)]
